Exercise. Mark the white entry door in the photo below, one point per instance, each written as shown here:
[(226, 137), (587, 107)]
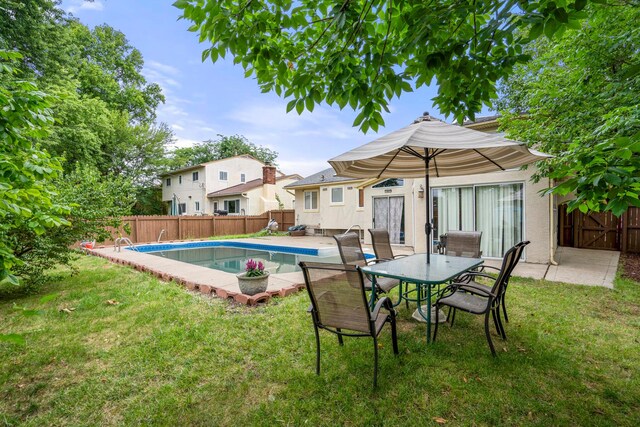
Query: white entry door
[(388, 212)]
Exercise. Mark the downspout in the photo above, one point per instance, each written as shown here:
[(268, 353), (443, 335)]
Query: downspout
[(552, 260), (413, 213)]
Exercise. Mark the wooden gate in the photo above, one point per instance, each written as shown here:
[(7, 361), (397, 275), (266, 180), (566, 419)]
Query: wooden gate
[(599, 230)]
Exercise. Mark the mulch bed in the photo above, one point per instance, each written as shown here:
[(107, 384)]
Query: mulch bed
[(630, 266)]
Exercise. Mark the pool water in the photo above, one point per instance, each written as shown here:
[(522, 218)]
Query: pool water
[(232, 260)]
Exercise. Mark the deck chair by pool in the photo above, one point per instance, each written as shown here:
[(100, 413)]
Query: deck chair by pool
[(339, 305)]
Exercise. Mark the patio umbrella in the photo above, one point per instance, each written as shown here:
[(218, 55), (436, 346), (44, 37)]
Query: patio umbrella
[(430, 147)]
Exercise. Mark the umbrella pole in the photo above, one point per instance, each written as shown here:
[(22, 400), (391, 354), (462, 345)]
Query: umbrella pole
[(427, 226)]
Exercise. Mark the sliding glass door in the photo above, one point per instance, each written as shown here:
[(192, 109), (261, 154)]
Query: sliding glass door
[(496, 210)]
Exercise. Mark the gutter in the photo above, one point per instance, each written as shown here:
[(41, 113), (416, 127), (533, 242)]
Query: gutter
[(552, 260)]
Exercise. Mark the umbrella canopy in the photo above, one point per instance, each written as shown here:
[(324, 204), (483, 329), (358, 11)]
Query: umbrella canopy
[(430, 147), (452, 151)]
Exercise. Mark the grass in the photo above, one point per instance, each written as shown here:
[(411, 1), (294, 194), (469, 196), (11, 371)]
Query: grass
[(159, 355)]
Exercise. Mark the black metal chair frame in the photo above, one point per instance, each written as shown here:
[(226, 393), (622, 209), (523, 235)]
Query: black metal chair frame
[(382, 303), (494, 295)]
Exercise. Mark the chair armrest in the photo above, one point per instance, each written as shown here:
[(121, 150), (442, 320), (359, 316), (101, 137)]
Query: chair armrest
[(476, 290), (374, 260), (469, 275), (399, 256), (382, 302), (482, 267)]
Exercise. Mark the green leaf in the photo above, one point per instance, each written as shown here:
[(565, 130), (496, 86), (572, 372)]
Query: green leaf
[(291, 105)]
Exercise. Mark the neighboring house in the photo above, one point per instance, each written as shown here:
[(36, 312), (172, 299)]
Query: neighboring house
[(186, 191), (506, 206), (256, 196)]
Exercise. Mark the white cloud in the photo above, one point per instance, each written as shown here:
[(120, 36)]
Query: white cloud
[(304, 168), (77, 5), (176, 127), (162, 74)]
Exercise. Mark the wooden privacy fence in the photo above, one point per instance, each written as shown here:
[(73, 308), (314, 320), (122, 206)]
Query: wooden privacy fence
[(143, 229), (600, 230)]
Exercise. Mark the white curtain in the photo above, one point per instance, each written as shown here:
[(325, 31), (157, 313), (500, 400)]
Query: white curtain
[(499, 217), (454, 209), (396, 205)]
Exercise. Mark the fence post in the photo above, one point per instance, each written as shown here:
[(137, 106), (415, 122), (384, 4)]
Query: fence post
[(625, 231), (213, 219), (137, 230), (245, 225), (179, 228)]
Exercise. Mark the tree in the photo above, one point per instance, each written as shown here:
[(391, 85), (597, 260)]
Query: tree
[(27, 197), (97, 204), (578, 99), (362, 53), (222, 148)]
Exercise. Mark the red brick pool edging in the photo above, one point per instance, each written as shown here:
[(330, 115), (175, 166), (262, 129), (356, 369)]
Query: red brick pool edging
[(240, 298)]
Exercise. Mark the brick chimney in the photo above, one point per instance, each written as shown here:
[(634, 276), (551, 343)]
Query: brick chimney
[(269, 174)]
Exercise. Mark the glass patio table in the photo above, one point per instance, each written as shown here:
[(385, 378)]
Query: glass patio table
[(414, 269)]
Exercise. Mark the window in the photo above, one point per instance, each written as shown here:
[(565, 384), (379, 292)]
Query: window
[(180, 179), (361, 198), (310, 200), (337, 195), (223, 175), (182, 208), (496, 210), (232, 206), (243, 178), (194, 176), (168, 182), (197, 206), (391, 182), (215, 206)]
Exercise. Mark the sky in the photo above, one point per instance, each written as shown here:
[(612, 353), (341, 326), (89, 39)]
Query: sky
[(206, 99)]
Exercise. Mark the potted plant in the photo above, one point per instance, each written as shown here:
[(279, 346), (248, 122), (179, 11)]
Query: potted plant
[(254, 280)]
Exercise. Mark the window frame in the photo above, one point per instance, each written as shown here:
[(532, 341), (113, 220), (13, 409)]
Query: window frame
[(243, 178), (168, 182), (183, 207), (304, 201), (195, 176), (331, 202), (196, 206), (226, 175), (225, 204)]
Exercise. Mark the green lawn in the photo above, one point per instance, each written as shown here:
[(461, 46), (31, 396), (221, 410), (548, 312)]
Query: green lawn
[(164, 356)]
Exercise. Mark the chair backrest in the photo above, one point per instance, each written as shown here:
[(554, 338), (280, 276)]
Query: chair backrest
[(350, 249), (381, 243), (337, 296), (464, 244), (509, 262)]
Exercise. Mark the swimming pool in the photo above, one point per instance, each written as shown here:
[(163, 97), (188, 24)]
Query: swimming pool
[(231, 257)]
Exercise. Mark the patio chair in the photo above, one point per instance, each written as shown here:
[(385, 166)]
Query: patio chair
[(382, 248), (468, 278), (352, 254), (463, 243), (339, 303), (481, 300)]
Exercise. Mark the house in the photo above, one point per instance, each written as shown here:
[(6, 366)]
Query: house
[(196, 190), (506, 206)]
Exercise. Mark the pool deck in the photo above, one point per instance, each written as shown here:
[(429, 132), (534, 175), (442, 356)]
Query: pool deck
[(225, 285), (220, 283)]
